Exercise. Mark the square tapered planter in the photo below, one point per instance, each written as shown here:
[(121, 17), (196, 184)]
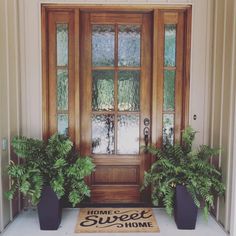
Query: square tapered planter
[(49, 210), (185, 211)]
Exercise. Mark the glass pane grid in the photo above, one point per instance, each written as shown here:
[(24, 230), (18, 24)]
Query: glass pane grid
[(168, 128), (103, 90), (62, 89), (103, 139), (103, 45), (62, 124), (115, 89), (129, 46), (62, 44), (128, 90), (169, 90), (128, 134), (170, 45)]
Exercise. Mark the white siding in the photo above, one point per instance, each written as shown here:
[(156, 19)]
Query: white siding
[(9, 96), (223, 99)]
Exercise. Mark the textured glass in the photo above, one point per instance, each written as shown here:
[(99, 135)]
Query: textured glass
[(62, 89), (62, 123), (169, 90), (128, 90), (103, 90), (168, 128), (170, 45), (128, 134), (103, 41), (129, 45), (103, 134), (62, 44)]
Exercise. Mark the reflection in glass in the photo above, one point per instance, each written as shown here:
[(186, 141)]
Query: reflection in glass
[(62, 44), (62, 124), (170, 45), (128, 134), (62, 89), (169, 90), (168, 128), (103, 41), (103, 90), (129, 45), (103, 134), (128, 90)]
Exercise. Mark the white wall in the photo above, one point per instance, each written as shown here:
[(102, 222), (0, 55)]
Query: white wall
[(233, 195), (223, 100), (9, 96)]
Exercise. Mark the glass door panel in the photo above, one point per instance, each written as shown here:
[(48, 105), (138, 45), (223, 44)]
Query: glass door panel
[(129, 45), (103, 44), (115, 88), (129, 90), (103, 90)]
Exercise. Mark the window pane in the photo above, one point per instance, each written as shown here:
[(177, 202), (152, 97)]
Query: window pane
[(62, 89), (62, 124), (103, 41), (129, 45), (168, 128), (170, 45), (62, 44), (103, 90), (128, 90), (128, 134), (169, 90), (103, 134)]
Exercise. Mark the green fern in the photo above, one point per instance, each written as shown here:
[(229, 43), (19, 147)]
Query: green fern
[(48, 163), (178, 164)]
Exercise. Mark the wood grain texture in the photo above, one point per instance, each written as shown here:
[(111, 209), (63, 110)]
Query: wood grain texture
[(86, 83), (187, 63), (71, 74), (115, 194), (45, 86), (159, 65), (124, 175), (77, 78), (179, 77)]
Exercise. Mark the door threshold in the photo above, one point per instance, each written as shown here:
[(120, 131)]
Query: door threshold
[(114, 205)]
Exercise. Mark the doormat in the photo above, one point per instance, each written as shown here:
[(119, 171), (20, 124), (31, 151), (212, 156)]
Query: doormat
[(117, 220)]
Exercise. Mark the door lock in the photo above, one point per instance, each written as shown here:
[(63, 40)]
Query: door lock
[(146, 122)]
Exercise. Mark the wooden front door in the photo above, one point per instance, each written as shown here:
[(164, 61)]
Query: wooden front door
[(115, 54)]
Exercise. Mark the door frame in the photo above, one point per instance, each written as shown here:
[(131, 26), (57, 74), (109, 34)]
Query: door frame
[(159, 14)]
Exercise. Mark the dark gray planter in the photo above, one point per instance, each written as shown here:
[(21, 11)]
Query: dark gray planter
[(185, 211), (49, 210)]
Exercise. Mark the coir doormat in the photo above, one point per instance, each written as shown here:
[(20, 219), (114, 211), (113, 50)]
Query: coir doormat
[(117, 220)]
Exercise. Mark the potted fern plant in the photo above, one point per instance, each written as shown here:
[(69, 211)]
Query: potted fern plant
[(183, 179), (46, 171)]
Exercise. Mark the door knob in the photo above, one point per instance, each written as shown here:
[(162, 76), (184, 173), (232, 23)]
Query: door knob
[(146, 135)]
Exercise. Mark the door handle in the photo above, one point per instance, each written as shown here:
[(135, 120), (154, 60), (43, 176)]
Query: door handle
[(146, 136)]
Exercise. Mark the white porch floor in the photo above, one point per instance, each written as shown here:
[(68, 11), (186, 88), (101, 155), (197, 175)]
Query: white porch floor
[(26, 224)]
